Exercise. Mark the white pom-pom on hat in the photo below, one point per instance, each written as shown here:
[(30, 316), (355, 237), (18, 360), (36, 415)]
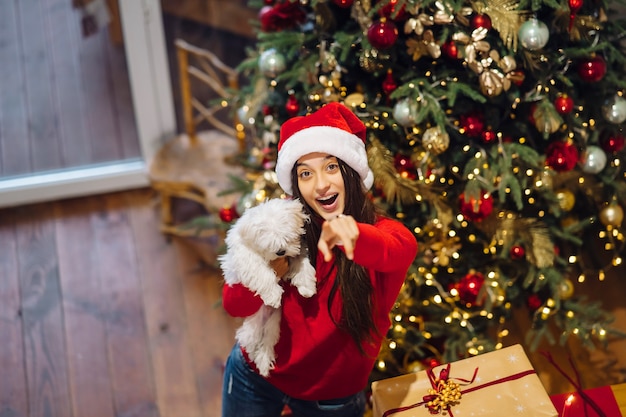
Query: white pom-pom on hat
[(334, 129)]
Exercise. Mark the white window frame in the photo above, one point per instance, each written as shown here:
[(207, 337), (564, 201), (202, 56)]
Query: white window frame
[(153, 105)]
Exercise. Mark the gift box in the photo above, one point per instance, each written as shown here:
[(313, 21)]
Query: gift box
[(498, 383), (608, 401)]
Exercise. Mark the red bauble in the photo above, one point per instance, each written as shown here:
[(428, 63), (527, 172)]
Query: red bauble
[(431, 363), (268, 2), (344, 4), (563, 104), (228, 214), (517, 252), (612, 143), (476, 210), (450, 49), (469, 287), (281, 16), (489, 136), (473, 123), (575, 5), (389, 84), (382, 34), (533, 302), (561, 156), (292, 106), (481, 21), (593, 69), (405, 167), (391, 11), (267, 110), (517, 77)]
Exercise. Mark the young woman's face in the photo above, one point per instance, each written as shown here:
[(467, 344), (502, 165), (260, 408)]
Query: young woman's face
[(321, 184)]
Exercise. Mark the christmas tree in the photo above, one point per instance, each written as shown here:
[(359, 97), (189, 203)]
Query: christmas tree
[(495, 134)]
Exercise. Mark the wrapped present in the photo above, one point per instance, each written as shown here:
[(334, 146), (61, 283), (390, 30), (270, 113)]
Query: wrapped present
[(608, 401), (497, 383)]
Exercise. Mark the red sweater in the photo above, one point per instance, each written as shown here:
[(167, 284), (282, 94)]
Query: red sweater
[(314, 359)]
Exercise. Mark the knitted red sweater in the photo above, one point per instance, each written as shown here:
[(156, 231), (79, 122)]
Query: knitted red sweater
[(314, 359)]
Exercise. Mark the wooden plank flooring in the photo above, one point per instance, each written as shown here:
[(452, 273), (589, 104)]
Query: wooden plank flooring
[(101, 315)]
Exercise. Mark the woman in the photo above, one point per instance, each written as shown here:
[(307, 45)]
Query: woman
[(329, 342)]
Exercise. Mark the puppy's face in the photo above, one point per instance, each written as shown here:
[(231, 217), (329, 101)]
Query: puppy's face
[(273, 229)]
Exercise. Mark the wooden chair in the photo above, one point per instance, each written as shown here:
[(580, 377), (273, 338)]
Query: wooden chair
[(192, 167)]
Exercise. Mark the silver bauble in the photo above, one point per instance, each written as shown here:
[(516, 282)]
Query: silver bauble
[(271, 63), (593, 160), (533, 34), (404, 112), (614, 110)]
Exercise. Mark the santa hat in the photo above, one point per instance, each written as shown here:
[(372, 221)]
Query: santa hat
[(334, 130)]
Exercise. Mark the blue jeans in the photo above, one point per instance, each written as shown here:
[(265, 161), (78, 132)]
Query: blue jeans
[(247, 394)]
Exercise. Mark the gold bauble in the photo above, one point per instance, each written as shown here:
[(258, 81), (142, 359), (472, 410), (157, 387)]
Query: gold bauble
[(436, 140), (566, 199), (612, 215), (566, 289)]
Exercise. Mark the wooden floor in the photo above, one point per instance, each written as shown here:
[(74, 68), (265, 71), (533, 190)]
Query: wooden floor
[(101, 315)]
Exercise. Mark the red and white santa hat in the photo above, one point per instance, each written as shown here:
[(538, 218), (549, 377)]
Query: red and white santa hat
[(334, 129)]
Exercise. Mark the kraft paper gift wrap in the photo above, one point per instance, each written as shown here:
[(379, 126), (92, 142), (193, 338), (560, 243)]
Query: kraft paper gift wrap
[(499, 383)]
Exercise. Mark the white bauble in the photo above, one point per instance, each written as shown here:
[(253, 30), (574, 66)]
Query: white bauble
[(533, 34)]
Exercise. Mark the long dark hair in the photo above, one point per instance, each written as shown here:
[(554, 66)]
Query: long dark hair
[(353, 280)]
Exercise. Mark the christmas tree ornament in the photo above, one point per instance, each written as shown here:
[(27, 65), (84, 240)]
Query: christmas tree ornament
[(472, 124), (392, 11), (561, 156), (593, 159), (612, 142), (563, 104), (566, 199), (354, 100), (517, 77), (476, 209), (271, 63), (389, 83), (450, 49), (489, 136), (405, 167), (228, 214), (435, 140), (574, 7), (382, 34), (614, 110), (533, 34), (517, 252), (292, 107), (566, 289), (534, 302), (592, 69), (344, 4), (545, 117), (405, 112), (612, 215), (281, 16), (481, 20), (469, 287), (244, 115)]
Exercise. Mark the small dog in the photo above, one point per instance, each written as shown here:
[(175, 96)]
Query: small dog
[(263, 233)]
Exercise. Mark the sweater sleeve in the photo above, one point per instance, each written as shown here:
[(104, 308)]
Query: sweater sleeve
[(385, 246), (239, 301)]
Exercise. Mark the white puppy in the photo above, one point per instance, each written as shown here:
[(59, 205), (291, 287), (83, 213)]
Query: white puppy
[(263, 233)]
